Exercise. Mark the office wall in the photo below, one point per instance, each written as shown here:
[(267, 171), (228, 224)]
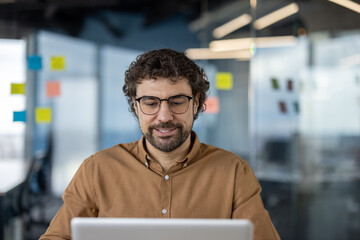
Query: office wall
[(73, 128), (117, 124)]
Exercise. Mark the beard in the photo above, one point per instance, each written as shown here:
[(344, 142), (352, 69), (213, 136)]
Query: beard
[(167, 143)]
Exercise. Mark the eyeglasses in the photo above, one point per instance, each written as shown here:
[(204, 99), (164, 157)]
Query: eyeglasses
[(177, 104)]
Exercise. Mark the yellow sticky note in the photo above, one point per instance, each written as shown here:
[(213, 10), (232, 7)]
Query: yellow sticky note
[(224, 81), (43, 115), (57, 63), (18, 88)]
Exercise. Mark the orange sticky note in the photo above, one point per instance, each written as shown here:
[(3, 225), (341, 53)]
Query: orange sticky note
[(224, 81), (18, 88), (57, 63), (43, 115), (212, 105), (53, 89)]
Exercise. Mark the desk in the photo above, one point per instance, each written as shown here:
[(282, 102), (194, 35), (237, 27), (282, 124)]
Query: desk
[(12, 174)]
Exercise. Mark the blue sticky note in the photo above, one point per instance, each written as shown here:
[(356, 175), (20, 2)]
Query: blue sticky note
[(34, 62), (20, 116)]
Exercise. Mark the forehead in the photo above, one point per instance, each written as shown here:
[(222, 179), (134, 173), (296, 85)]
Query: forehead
[(163, 87)]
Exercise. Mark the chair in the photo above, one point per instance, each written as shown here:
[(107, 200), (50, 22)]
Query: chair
[(37, 204)]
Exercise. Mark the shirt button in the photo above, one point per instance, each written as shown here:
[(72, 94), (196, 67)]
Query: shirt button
[(164, 211), (167, 177)]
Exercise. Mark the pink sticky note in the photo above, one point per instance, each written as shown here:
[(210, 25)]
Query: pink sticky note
[(289, 85), (212, 105), (282, 107), (53, 89)]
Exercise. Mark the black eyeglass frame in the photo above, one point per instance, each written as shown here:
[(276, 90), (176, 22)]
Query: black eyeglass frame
[(164, 99)]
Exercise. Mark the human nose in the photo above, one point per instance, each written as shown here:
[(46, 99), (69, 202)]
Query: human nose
[(164, 114)]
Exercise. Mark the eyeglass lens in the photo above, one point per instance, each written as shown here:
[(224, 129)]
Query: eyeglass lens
[(177, 104)]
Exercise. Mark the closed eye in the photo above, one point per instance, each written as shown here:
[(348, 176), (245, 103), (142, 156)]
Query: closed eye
[(177, 103)]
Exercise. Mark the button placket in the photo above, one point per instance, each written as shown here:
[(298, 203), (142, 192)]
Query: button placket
[(166, 195), (147, 161)]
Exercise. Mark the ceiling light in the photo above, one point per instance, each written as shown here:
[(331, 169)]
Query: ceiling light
[(269, 42), (206, 53), (276, 16), (231, 44), (232, 25), (253, 3), (348, 4), (245, 43)]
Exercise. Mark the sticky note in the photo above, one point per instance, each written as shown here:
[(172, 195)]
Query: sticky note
[(34, 62), (53, 89), (19, 116), (57, 63), (18, 88), (224, 81), (282, 107), (289, 85), (43, 115), (296, 107), (212, 105), (275, 83)]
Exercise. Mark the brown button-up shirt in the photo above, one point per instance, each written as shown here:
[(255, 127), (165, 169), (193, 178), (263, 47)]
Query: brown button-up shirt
[(123, 181)]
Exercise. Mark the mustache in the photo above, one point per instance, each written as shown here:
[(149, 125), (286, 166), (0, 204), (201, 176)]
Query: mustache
[(165, 125)]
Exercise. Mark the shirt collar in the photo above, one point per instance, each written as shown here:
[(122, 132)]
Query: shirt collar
[(142, 151), (194, 149)]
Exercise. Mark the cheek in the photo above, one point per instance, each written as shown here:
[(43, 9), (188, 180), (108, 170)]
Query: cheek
[(144, 120), (189, 118)]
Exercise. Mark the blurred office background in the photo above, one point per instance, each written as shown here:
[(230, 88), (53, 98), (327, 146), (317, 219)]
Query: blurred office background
[(285, 96)]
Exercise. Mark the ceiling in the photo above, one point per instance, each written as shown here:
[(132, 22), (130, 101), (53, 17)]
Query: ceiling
[(70, 14), (17, 17)]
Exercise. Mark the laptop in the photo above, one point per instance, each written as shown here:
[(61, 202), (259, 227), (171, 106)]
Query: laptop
[(160, 229)]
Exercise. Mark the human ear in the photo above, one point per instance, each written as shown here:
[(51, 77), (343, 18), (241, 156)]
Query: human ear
[(134, 106), (196, 103)]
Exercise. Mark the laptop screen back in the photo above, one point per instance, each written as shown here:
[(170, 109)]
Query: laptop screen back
[(160, 229)]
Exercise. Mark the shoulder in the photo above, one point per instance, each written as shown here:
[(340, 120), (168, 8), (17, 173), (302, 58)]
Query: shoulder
[(114, 153), (220, 155)]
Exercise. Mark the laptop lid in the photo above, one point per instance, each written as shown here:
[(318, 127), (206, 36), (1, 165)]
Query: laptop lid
[(160, 229)]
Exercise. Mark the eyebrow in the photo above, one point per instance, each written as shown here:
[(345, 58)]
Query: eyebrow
[(179, 94)]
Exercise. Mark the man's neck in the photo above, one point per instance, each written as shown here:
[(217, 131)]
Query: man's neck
[(168, 159)]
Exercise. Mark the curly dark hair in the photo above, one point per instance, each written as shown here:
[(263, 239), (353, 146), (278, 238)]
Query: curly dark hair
[(166, 63)]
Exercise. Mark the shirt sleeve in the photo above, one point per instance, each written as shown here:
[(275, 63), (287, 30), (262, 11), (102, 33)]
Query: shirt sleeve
[(79, 201), (248, 204)]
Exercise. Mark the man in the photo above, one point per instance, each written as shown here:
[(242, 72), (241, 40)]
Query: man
[(168, 173)]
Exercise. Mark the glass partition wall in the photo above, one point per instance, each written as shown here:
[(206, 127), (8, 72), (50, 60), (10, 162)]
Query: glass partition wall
[(305, 132), (300, 125)]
